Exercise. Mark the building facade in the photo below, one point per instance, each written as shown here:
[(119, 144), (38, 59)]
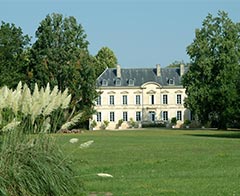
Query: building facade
[(141, 95)]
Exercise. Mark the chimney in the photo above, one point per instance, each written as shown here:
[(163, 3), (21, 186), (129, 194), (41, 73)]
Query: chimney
[(118, 71), (181, 69), (158, 72)]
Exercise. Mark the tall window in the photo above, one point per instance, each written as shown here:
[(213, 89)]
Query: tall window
[(99, 101), (112, 117), (179, 115), (124, 98), (99, 116), (179, 99), (138, 116), (165, 115), (152, 99), (138, 100), (125, 116), (165, 99), (111, 99)]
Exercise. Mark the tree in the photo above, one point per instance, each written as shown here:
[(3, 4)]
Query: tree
[(60, 57), (176, 64), (13, 55), (212, 82), (104, 58)]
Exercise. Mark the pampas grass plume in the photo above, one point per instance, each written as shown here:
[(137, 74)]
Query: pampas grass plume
[(73, 121), (73, 140), (86, 144), (11, 125), (104, 175)]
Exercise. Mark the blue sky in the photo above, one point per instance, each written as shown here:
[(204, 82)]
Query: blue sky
[(141, 33)]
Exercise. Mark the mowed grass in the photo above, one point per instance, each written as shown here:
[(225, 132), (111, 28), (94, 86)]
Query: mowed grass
[(157, 162)]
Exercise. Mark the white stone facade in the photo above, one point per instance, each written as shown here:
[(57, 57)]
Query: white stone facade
[(150, 102)]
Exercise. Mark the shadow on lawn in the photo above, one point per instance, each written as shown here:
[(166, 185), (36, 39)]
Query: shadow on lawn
[(219, 135)]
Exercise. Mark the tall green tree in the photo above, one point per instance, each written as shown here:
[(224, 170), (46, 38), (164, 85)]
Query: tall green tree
[(176, 64), (13, 55), (104, 58), (212, 82), (60, 57)]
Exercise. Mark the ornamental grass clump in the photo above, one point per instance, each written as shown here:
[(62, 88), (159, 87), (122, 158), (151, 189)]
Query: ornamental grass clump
[(31, 163), (39, 111), (34, 165)]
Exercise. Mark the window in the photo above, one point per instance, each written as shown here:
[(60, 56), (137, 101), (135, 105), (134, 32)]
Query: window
[(131, 82), (124, 99), (179, 115), (98, 101), (171, 81), (112, 117), (125, 116), (104, 82), (118, 82), (99, 116), (165, 99), (165, 115), (138, 100), (152, 99), (111, 99), (138, 116), (179, 99)]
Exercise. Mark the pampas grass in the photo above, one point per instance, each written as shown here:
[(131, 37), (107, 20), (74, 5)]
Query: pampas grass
[(86, 144), (10, 126), (33, 109), (72, 122), (104, 175), (33, 164)]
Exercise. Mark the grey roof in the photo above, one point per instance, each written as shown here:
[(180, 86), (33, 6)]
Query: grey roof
[(139, 76)]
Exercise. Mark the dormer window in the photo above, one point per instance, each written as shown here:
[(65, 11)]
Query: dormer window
[(118, 82), (130, 82), (104, 82), (171, 81)]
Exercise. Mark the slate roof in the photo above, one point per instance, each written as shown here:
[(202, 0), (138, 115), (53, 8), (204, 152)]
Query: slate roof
[(139, 76)]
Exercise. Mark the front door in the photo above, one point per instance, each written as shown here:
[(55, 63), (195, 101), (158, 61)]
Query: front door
[(152, 115)]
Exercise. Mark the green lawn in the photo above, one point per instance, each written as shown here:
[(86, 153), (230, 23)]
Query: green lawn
[(157, 162)]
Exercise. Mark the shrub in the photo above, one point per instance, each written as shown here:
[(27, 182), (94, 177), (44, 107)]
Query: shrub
[(174, 121), (120, 121), (148, 124), (186, 123), (93, 124), (132, 123), (104, 124)]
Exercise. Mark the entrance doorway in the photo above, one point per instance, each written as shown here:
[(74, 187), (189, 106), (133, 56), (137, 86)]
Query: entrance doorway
[(152, 115)]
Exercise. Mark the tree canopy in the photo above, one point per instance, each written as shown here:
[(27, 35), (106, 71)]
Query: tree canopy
[(13, 54), (60, 56), (212, 82), (57, 50), (104, 58)]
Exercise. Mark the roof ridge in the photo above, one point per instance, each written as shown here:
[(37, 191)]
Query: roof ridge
[(151, 68)]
